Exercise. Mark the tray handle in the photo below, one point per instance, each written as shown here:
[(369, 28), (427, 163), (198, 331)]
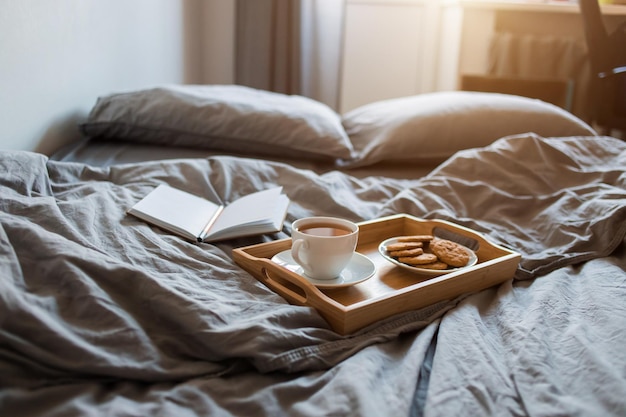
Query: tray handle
[(301, 291), (486, 250)]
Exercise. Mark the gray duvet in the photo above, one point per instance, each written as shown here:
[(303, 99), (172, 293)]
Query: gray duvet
[(102, 314)]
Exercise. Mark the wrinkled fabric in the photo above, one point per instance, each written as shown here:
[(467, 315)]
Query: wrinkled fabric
[(557, 202), (545, 347), (100, 311)]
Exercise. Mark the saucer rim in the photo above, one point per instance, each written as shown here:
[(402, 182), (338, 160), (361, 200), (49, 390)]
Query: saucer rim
[(325, 284)]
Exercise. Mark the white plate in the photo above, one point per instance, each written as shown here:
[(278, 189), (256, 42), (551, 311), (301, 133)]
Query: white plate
[(358, 270), (424, 271)]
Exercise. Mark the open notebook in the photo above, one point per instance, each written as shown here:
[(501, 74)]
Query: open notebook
[(198, 219)]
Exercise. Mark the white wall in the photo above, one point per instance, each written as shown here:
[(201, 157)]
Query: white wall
[(57, 57)]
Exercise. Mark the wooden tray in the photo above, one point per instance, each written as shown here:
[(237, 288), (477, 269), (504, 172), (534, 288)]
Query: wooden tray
[(392, 289)]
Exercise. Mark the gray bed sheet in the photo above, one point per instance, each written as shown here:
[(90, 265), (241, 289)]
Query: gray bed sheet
[(102, 314), (100, 152)]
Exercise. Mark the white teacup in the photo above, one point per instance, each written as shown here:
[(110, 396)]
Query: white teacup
[(323, 246)]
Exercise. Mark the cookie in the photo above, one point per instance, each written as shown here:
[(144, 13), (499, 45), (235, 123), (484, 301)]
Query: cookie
[(440, 266), (392, 247), (415, 238), (406, 252), (424, 258), (450, 252)]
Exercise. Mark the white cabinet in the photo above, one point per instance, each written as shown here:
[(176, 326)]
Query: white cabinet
[(389, 46)]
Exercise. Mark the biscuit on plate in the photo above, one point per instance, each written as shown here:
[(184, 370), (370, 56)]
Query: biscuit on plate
[(424, 258), (392, 247), (450, 252), (415, 238), (406, 252), (440, 266)]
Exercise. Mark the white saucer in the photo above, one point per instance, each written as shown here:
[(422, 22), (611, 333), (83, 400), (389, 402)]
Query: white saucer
[(359, 269), (473, 259)]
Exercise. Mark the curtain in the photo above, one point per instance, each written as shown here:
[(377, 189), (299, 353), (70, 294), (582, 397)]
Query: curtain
[(290, 46), (268, 45)]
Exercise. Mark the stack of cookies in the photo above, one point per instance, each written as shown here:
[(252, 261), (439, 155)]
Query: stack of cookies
[(428, 252)]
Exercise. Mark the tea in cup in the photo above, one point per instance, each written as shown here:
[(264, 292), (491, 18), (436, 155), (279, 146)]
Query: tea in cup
[(323, 246)]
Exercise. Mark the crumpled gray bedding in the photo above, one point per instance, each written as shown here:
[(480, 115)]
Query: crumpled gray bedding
[(103, 314)]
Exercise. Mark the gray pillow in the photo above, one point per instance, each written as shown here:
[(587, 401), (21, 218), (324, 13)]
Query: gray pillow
[(432, 127), (227, 118)]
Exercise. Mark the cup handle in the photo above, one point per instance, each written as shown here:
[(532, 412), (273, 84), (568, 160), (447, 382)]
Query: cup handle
[(295, 252)]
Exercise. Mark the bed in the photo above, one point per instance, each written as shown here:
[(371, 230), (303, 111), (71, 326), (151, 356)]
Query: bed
[(103, 314)]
